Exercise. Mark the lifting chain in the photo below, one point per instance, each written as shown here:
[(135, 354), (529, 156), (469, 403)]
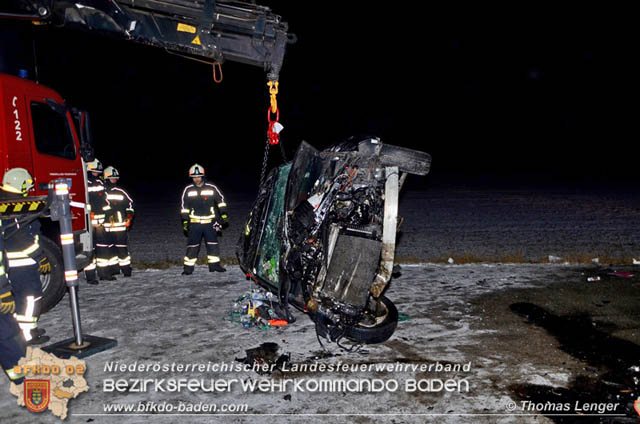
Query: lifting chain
[(264, 162)]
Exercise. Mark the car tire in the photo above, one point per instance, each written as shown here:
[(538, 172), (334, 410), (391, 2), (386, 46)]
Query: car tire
[(378, 333), (407, 160), (53, 284)]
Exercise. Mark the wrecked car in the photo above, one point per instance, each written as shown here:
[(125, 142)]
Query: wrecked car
[(321, 235)]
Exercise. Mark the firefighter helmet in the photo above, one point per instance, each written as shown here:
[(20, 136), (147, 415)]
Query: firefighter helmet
[(196, 171), (94, 166), (17, 180), (111, 172)]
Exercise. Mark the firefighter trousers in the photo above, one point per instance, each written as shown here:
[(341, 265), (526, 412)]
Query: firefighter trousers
[(27, 290), (101, 243), (12, 346), (194, 237), (120, 258)]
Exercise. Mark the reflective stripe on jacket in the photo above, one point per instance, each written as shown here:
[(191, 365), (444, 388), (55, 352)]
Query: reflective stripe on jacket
[(121, 209), (204, 204), (23, 246), (97, 200)]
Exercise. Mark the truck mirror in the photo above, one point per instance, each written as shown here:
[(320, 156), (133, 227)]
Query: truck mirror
[(83, 126), (87, 153)]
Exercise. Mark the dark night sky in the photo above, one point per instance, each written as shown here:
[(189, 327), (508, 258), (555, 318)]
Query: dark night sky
[(492, 94)]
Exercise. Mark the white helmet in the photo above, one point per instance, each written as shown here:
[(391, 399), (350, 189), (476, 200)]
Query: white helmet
[(196, 171), (94, 166), (111, 172), (17, 180)]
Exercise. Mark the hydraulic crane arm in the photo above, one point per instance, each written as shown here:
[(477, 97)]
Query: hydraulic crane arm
[(205, 29)]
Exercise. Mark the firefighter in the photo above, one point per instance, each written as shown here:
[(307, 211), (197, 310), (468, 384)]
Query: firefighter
[(99, 208), (12, 344), (118, 221), (26, 259), (203, 212)]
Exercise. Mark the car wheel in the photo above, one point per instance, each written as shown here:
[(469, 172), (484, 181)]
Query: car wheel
[(53, 284), (407, 160), (379, 328)]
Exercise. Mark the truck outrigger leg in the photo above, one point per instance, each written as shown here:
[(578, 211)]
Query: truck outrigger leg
[(80, 345)]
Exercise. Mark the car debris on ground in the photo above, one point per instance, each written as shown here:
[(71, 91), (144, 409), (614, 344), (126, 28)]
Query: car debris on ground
[(257, 308)]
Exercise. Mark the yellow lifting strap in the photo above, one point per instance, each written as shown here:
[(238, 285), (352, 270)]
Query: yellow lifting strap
[(273, 91)]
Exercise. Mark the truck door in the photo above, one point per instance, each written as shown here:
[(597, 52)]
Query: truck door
[(16, 148), (55, 153)]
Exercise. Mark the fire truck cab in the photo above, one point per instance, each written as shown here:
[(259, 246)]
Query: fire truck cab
[(43, 135)]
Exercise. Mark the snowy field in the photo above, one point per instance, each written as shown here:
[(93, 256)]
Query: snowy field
[(450, 315), (510, 225)]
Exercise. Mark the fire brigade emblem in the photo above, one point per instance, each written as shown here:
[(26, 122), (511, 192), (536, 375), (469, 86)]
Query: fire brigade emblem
[(36, 395)]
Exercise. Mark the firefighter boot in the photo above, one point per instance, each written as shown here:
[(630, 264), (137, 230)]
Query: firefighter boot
[(37, 332), (91, 277), (38, 337), (29, 326), (216, 267), (126, 270), (105, 274), (188, 270)]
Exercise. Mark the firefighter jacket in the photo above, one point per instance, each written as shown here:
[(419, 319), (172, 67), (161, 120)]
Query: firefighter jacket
[(203, 205), (4, 281), (21, 241), (97, 200), (121, 212)]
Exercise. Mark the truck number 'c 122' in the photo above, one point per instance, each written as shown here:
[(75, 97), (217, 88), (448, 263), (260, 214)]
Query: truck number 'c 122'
[(18, 126)]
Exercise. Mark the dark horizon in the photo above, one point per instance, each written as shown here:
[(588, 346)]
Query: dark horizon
[(537, 99)]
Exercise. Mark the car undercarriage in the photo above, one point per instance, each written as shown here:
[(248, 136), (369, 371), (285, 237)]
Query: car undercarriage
[(322, 232)]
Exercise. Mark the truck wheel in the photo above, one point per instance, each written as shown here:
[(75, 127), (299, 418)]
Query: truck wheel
[(53, 284), (380, 329)]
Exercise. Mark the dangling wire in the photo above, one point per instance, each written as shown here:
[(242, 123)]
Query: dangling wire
[(217, 70), (217, 66)]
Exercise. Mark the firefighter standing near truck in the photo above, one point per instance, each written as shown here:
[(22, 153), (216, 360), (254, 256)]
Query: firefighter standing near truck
[(12, 344), (25, 258), (203, 212), (118, 221), (99, 208)]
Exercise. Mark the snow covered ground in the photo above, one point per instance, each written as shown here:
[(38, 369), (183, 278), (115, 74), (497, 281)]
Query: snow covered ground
[(159, 316), (451, 315)]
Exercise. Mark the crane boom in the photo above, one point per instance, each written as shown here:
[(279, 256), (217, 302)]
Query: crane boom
[(203, 29)]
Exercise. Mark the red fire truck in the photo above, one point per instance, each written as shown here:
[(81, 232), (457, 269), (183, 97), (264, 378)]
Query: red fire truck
[(41, 133)]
